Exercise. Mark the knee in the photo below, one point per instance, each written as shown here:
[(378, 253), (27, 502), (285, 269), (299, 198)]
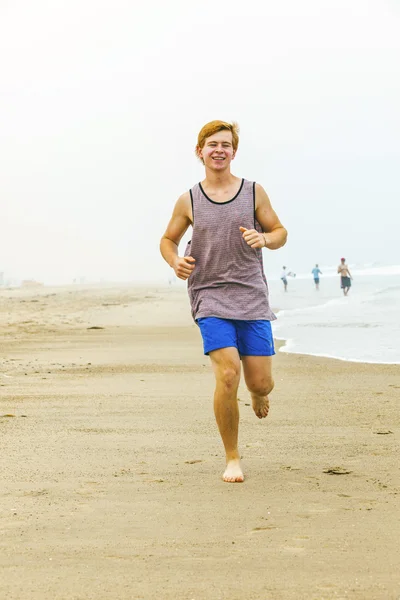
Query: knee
[(261, 388), (229, 377)]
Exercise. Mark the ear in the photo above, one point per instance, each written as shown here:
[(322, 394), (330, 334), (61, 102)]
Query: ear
[(199, 152)]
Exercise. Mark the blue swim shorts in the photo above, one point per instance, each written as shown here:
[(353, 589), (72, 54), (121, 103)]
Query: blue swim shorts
[(251, 338)]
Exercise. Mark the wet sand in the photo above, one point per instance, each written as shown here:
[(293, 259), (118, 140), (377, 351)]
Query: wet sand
[(111, 462)]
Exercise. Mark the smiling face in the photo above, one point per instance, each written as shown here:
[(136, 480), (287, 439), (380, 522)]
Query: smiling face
[(217, 152)]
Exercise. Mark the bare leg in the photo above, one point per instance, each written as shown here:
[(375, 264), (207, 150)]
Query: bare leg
[(226, 365), (258, 376)]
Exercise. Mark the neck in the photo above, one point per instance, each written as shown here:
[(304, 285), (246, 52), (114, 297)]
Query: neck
[(219, 179)]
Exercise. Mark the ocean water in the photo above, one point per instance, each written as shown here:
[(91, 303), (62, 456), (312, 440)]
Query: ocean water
[(362, 327)]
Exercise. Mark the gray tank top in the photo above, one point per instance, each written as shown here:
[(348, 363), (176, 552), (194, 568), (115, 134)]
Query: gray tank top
[(228, 280)]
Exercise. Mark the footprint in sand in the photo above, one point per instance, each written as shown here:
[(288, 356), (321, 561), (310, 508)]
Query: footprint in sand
[(36, 493), (336, 471)]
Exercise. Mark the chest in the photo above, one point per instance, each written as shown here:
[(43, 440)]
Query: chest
[(214, 217), (221, 195)]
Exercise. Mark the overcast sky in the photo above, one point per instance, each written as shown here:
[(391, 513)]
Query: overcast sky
[(101, 102)]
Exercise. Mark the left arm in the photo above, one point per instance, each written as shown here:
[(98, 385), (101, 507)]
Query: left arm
[(274, 234)]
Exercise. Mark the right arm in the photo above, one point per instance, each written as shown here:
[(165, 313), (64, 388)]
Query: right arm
[(180, 221)]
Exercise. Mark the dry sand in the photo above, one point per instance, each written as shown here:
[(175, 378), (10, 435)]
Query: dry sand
[(111, 463)]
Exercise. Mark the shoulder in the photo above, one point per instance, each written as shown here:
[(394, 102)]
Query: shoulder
[(260, 191), (183, 206), (184, 199), (261, 196)]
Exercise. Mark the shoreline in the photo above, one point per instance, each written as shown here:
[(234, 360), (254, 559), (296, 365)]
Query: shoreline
[(330, 357), (135, 293), (357, 329)]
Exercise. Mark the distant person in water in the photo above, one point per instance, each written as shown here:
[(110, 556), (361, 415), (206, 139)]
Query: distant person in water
[(316, 273), (284, 276), (345, 276)]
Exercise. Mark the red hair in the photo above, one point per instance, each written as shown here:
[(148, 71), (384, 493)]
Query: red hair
[(213, 127)]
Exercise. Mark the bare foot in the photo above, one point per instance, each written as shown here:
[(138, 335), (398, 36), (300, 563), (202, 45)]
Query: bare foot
[(233, 472), (260, 406)]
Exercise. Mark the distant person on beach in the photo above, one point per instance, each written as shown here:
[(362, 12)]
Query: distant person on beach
[(232, 220), (285, 274), (316, 272), (284, 278), (345, 276)]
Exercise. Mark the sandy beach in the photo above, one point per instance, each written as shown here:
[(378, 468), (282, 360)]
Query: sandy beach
[(111, 462)]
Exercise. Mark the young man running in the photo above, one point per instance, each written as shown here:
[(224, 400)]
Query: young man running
[(232, 219)]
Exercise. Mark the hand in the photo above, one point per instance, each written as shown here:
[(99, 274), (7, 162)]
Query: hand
[(184, 266), (253, 238)]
